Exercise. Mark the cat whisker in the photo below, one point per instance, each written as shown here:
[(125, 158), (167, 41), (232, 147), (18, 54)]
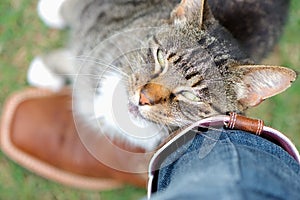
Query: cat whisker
[(213, 80), (211, 128), (96, 118), (76, 74), (108, 66), (82, 74), (183, 123), (142, 43), (128, 34), (123, 53), (138, 47), (177, 122)]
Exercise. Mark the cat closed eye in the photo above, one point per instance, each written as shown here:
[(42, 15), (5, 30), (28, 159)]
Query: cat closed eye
[(161, 67), (190, 96)]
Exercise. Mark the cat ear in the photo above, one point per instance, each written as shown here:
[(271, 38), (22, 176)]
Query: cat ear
[(260, 82), (191, 11)]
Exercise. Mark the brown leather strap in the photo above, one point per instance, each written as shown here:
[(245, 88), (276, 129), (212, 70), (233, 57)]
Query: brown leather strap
[(243, 123)]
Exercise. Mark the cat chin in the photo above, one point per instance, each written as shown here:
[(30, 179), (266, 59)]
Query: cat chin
[(147, 143), (111, 108)]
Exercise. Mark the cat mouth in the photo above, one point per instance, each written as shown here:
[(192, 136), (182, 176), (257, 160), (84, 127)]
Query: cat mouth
[(134, 110), (136, 117)]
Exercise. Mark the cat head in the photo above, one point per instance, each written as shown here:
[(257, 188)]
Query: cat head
[(194, 69)]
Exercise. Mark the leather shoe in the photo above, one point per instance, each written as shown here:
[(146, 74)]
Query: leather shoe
[(38, 132)]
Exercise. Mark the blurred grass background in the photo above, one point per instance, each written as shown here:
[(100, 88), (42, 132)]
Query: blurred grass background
[(23, 36)]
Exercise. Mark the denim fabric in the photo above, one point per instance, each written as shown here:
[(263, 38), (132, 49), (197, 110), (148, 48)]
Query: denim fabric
[(225, 164)]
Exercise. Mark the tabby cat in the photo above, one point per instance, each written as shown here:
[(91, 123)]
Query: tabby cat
[(143, 68)]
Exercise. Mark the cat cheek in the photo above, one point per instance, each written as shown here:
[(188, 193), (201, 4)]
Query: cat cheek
[(144, 110), (159, 113)]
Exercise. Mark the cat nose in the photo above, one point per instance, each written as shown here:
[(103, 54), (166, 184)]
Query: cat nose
[(153, 93), (144, 100)]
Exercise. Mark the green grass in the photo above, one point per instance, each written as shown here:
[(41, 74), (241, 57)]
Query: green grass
[(23, 36)]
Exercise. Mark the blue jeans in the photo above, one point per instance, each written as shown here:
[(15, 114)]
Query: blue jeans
[(228, 164)]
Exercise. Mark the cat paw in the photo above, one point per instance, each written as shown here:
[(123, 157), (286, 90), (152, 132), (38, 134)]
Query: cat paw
[(40, 76), (49, 12)]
